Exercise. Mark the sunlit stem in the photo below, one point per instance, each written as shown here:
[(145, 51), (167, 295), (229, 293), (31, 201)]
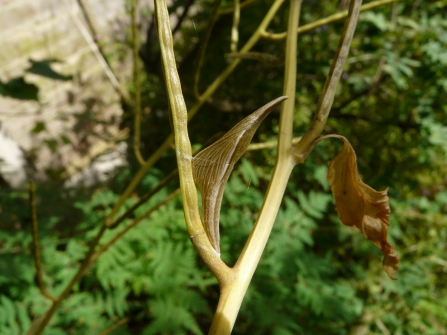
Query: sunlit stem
[(183, 149), (329, 19), (233, 293)]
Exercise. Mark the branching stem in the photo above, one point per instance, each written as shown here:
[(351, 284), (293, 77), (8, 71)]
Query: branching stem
[(331, 18)]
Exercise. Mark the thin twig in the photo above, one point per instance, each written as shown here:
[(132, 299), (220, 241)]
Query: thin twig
[(268, 59), (98, 54), (36, 243), (235, 27), (206, 39), (136, 221), (137, 85), (145, 198), (40, 324), (116, 325), (92, 24), (327, 20), (268, 145), (231, 9), (182, 17)]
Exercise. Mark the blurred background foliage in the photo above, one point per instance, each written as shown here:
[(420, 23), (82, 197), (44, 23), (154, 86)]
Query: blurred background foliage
[(316, 276)]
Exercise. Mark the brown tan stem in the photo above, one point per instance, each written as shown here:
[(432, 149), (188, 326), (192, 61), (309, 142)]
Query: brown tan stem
[(305, 146), (36, 243)]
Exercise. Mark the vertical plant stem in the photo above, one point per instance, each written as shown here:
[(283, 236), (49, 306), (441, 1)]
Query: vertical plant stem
[(235, 27), (232, 294), (183, 148), (137, 86), (36, 243)]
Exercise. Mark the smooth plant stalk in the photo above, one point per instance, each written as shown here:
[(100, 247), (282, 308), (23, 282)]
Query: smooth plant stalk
[(235, 27), (232, 294), (137, 86), (183, 148), (36, 243), (327, 20)]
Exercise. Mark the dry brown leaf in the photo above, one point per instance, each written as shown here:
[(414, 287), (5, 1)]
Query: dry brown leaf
[(212, 166), (359, 205)]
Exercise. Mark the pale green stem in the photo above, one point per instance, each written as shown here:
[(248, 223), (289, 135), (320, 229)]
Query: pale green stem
[(183, 148), (327, 20), (233, 293), (235, 27)]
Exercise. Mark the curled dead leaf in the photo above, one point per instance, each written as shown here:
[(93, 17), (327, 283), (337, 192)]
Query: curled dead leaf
[(359, 205)]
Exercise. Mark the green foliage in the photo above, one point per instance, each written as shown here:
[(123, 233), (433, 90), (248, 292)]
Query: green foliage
[(316, 275)]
